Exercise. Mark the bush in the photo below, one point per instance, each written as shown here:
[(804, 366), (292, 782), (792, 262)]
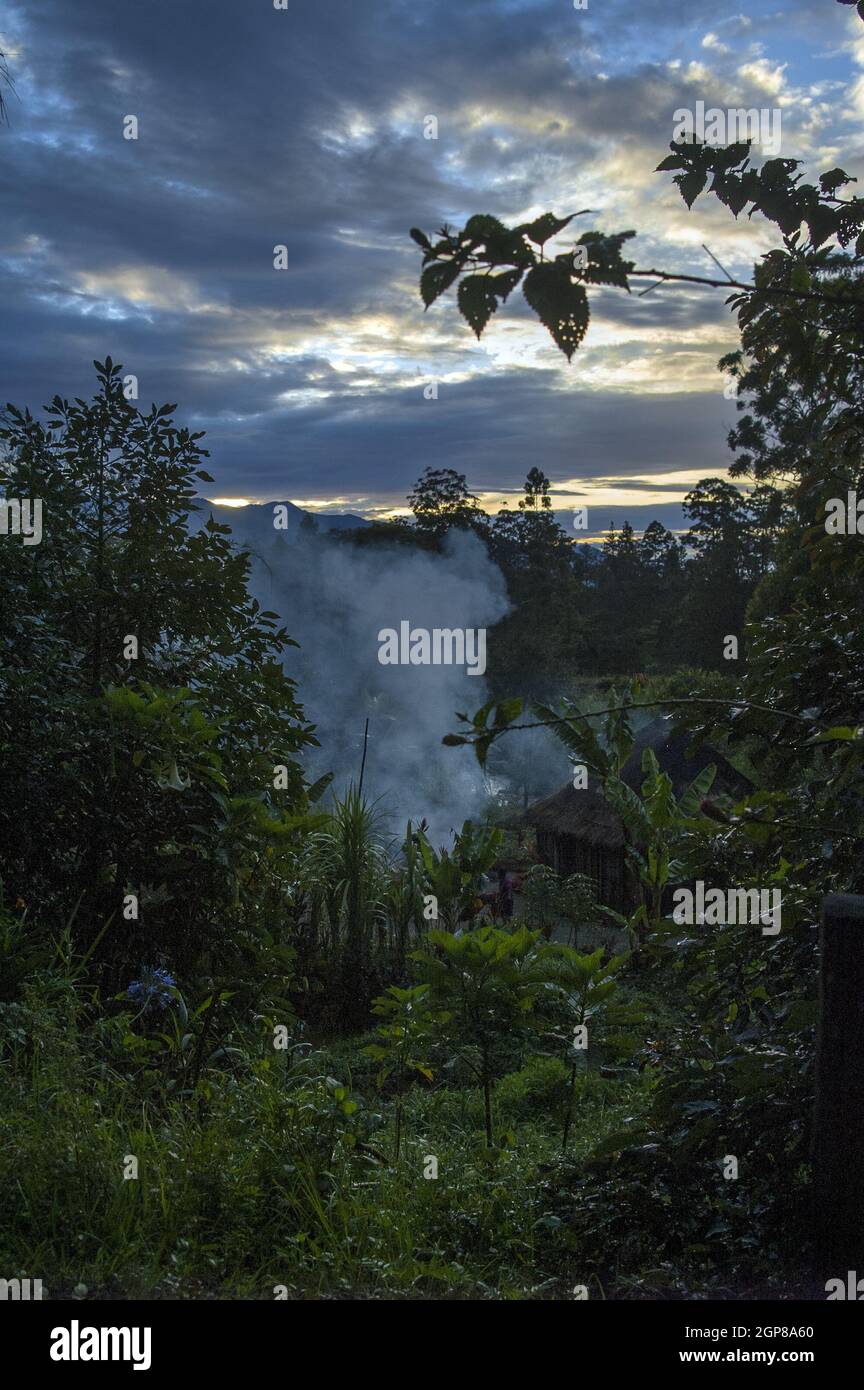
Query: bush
[(539, 1089)]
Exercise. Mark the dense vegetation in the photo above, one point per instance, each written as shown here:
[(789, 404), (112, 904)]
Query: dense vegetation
[(240, 1051)]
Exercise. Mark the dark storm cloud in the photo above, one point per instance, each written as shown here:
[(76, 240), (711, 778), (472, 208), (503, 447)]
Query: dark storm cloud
[(260, 127)]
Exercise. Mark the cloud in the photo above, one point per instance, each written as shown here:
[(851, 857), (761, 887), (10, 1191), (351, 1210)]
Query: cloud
[(306, 127)]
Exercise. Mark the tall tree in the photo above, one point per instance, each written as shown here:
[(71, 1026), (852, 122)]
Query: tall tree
[(440, 499), (143, 704)]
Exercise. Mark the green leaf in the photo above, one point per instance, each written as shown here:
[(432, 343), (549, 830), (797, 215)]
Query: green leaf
[(614, 1143), (691, 185), (482, 746), (506, 712), (542, 228), (561, 305), (839, 734), (318, 788), (628, 805), (699, 788), (436, 279), (481, 715), (483, 225), (477, 301), (507, 281)]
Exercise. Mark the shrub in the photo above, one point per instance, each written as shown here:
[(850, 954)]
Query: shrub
[(540, 1088)]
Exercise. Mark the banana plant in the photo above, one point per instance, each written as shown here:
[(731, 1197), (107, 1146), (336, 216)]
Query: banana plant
[(454, 878), (653, 822), (605, 759)]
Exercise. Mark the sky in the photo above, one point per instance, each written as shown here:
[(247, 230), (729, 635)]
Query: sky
[(305, 126)]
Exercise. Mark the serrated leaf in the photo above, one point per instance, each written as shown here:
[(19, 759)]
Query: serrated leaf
[(542, 228), (560, 305), (507, 281), (672, 161), (483, 225), (822, 223), (832, 180), (691, 185), (437, 278), (477, 301)]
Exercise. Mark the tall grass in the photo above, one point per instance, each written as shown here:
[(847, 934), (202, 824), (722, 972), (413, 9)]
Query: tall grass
[(271, 1175)]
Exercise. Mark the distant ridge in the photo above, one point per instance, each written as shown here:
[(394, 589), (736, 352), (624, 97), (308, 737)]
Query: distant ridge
[(255, 522)]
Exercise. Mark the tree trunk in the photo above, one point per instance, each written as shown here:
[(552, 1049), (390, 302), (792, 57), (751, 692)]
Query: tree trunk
[(398, 1127), (487, 1106), (568, 1118)]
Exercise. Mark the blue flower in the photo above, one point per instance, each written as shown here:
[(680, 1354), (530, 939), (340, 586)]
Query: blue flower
[(153, 990)]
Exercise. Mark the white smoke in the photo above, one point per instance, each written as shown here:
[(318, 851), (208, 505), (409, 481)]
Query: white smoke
[(334, 599)]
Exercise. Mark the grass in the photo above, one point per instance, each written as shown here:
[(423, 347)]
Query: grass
[(266, 1178)]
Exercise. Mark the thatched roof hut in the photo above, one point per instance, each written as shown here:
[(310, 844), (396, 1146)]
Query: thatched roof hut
[(579, 832)]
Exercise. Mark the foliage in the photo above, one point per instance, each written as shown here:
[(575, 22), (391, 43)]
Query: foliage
[(488, 979), (585, 982), (551, 898), (453, 879), (408, 1023), (557, 288), (538, 1091), (135, 775), (270, 1176)]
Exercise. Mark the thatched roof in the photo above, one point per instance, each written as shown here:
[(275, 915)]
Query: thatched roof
[(587, 815)]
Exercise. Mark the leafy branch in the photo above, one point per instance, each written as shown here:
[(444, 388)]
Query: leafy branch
[(489, 260), (480, 737)]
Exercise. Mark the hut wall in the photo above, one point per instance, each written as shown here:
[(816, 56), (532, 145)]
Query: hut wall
[(567, 854)]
